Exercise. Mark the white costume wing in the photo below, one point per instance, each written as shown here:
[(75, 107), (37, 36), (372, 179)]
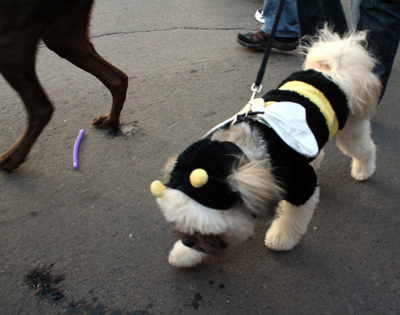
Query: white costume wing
[(288, 120)]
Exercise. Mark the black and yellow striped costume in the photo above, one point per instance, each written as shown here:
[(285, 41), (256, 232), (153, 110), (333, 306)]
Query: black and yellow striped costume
[(326, 112)]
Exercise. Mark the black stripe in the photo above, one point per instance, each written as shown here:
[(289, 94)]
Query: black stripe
[(315, 119), (330, 89)]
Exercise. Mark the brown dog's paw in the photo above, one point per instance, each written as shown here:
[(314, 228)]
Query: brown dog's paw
[(10, 163), (105, 122)]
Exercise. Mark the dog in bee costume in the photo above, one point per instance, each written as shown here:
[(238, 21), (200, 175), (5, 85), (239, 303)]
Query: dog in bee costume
[(265, 157)]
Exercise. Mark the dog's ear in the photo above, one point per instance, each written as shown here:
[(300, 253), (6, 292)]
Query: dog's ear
[(169, 166), (256, 185)]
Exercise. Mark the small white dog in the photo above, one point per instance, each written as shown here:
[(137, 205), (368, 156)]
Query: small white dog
[(267, 154)]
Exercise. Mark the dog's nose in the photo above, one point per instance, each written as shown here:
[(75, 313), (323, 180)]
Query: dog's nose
[(188, 241)]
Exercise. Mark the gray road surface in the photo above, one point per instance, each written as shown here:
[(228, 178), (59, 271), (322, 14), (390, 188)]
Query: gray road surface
[(100, 228)]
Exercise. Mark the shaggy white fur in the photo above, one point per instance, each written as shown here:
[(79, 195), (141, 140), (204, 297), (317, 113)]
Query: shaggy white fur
[(248, 140), (189, 216), (349, 64), (290, 224), (182, 256), (355, 141), (346, 62)]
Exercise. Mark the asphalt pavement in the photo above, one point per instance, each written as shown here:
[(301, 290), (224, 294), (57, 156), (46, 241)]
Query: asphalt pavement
[(95, 239)]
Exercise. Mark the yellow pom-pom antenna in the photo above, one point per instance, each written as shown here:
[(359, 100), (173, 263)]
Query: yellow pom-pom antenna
[(157, 189), (198, 178)]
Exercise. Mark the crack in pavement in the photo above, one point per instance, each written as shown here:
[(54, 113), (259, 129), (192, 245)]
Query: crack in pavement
[(41, 44), (174, 28)]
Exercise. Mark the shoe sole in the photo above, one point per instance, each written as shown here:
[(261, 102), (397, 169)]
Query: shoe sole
[(276, 45)]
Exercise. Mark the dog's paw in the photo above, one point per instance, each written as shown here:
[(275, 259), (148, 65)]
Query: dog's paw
[(8, 165), (105, 122), (182, 256), (362, 171), (11, 160), (280, 239)]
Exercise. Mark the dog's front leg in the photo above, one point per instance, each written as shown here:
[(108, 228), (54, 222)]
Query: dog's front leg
[(182, 256), (70, 40), (290, 224)]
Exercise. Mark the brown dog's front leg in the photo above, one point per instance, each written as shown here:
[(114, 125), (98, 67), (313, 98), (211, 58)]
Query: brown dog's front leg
[(78, 50), (117, 82)]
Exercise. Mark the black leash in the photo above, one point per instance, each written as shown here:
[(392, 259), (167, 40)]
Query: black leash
[(256, 87)]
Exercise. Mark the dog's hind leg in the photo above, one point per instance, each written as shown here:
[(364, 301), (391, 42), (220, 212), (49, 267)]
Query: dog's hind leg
[(68, 37), (290, 224), (17, 64), (355, 141)]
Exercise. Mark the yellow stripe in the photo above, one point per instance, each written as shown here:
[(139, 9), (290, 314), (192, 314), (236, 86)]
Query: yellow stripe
[(319, 99), (269, 103)]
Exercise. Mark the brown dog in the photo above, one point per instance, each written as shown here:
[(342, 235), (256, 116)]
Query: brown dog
[(64, 27)]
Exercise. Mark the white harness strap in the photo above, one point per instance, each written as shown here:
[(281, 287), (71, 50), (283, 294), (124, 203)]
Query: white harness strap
[(288, 120)]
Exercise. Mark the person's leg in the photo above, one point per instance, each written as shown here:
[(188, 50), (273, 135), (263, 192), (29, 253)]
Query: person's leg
[(313, 14), (382, 20), (354, 13), (288, 25), (287, 37)]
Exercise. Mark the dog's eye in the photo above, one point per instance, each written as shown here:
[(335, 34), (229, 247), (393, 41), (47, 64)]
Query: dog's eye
[(188, 241)]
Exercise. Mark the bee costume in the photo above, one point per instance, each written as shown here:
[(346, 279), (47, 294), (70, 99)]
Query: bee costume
[(296, 120)]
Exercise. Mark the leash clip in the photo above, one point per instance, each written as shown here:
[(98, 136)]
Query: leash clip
[(249, 106), (255, 89)]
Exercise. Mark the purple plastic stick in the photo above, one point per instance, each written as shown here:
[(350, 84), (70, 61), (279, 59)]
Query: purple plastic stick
[(76, 148)]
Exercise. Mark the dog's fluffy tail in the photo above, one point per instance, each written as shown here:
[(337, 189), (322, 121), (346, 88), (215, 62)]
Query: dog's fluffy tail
[(347, 61)]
